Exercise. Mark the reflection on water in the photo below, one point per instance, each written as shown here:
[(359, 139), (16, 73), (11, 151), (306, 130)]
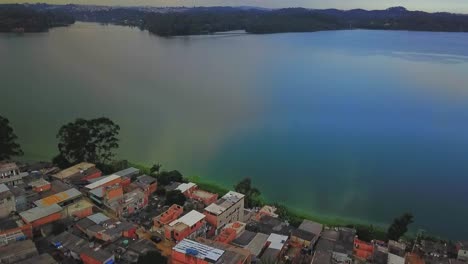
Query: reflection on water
[(358, 124)]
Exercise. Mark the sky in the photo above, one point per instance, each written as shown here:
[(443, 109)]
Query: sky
[(458, 6)]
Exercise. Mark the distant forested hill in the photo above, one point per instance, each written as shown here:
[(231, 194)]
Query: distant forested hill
[(207, 20), (21, 18)]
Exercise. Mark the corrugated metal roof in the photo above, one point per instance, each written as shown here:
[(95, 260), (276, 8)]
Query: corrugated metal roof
[(102, 182), (98, 218), (190, 219), (58, 198), (127, 172), (40, 212), (198, 250)]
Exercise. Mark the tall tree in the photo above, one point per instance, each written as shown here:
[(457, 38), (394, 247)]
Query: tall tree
[(252, 194), (399, 226), (8, 145), (88, 140), (155, 168)]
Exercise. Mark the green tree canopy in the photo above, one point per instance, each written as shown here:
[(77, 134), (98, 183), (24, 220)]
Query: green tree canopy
[(152, 257), (252, 194), (166, 177), (8, 145), (155, 168), (88, 140), (399, 226), (175, 197)]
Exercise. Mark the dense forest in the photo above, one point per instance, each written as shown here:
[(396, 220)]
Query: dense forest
[(207, 20), (21, 18)]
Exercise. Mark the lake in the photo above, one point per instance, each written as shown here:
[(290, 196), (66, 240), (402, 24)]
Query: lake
[(360, 125)]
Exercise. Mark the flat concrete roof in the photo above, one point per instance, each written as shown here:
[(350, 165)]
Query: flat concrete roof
[(73, 170), (190, 219)]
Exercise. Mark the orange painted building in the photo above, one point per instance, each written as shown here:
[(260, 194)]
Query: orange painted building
[(174, 212), (190, 225), (40, 185), (363, 250), (226, 236), (97, 256), (147, 183), (191, 191), (17, 229), (412, 258), (39, 216)]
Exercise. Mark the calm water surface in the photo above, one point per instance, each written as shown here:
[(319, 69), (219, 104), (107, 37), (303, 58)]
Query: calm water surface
[(354, 124)]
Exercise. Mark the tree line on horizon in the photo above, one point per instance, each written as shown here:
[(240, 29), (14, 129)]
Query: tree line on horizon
[(208, 20), (94, 140)]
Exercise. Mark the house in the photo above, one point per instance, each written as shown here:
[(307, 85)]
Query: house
[(7, 201), (363, 250), (275, 245), (10, 174), (41, 259), (462, 251), (39, 216), (191, 191), (106, 195), (266, 210), (78, 173), (307, 234), (228, 209), (130, 203), (396, 252), (128, 173), (254, 242), (168, 216), (103, 182), (147, 183), (324, 247), (207, 252), (103, 228), (40, 185), (97, 256), (18, 251), (230, 232), (13, 229), (71, 245), (94, 219), (79, 209), (190, 225), (435, 249), (63, 198), (268, 224), (412, 258)]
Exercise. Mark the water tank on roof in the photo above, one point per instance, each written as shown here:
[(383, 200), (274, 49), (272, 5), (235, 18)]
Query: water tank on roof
[(191, 251)]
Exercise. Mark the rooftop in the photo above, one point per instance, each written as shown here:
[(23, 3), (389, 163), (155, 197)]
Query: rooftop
[(256, 245), (304, 235), (198, 250), (277, 241), (102, 181), (39, 182), (8, 166), (126, 172), (268, 224), (185, 186), (70, 242), (17, 248), (98, 218), (145, 179), (41, 259), (58, 198), (311, 227), (244, 239), (78, 168), (36, 213), (190, 219), (98, 254), (228, 200)]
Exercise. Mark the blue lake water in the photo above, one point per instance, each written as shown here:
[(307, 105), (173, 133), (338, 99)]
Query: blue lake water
[(352, 124)]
